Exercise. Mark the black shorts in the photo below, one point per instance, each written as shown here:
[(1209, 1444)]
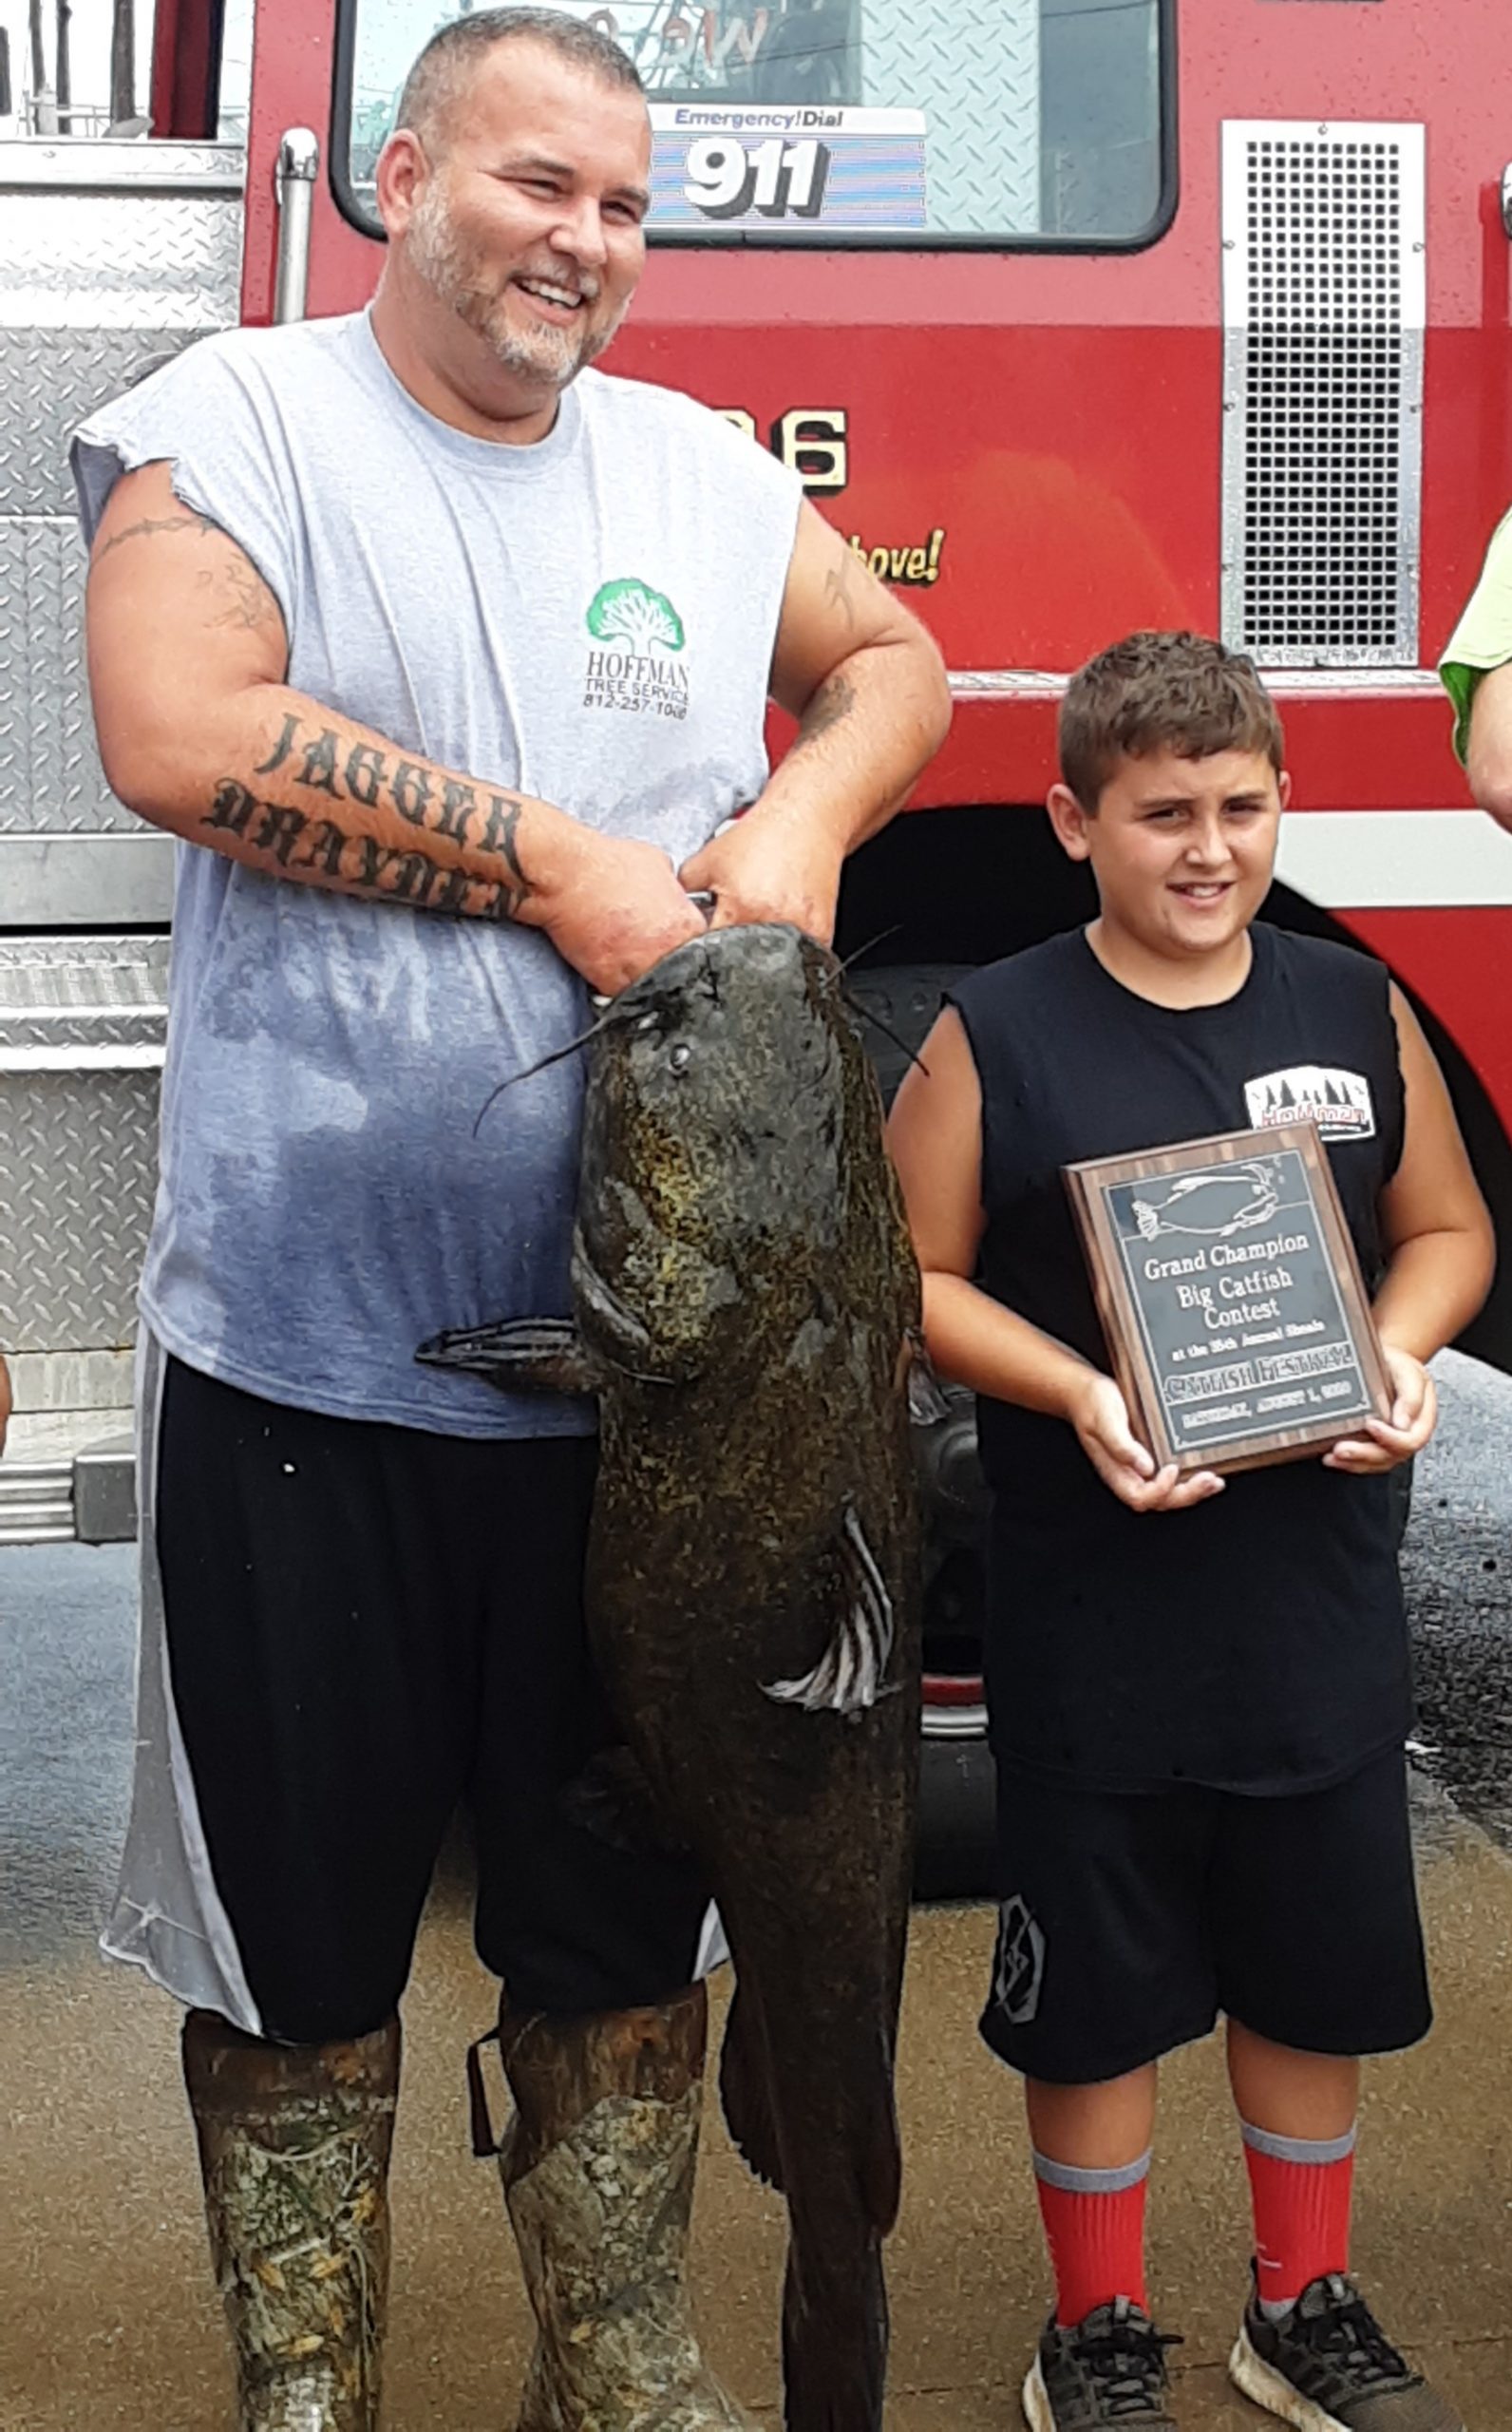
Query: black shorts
[(1129, 1922), (367, 1625)]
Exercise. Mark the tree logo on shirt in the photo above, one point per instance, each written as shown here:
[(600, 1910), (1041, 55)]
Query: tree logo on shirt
[(1338, 1103), (637, 668)]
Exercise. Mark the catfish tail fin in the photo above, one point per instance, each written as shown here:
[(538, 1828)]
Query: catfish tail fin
[(745, 2091)]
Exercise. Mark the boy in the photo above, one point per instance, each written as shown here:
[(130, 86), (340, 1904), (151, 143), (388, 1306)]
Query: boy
[(1198, 1689)]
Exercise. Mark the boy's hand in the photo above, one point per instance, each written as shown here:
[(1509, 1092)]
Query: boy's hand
[(1387, 1443), (1100, 1416)]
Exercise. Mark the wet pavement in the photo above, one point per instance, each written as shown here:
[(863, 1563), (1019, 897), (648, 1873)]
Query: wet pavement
[(107, 2319)]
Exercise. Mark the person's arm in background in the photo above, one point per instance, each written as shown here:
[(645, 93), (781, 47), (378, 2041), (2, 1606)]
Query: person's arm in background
[(1477, 672), (1489, 756), (867, 685), (1440, 1255), (201, 733)]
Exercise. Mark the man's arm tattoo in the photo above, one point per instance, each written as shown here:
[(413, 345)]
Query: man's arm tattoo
[(244, 599), (838, 589), (186, 522), (831, 705), (300, 840), (317, 761)]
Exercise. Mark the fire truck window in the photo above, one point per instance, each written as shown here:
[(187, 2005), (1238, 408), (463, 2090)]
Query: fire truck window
[(830, 118)]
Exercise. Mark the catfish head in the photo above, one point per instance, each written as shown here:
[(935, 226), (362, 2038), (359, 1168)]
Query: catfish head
[(712, 1145)]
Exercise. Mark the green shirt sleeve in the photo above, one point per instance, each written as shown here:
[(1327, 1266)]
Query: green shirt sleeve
[(1483, 637)]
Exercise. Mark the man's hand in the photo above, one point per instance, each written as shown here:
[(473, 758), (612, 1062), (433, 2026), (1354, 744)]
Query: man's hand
[(1100, 1416), (1387, 1443), (770, 867), (611, 905)]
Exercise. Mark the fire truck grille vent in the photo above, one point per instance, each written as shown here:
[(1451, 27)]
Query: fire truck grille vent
[(1323, 383)]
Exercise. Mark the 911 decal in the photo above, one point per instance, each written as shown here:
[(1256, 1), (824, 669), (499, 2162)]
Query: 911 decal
[(840, 170)]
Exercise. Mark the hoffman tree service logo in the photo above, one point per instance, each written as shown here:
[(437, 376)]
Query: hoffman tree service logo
[(637, 668)]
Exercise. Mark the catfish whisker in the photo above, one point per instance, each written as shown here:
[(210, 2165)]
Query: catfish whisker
[(557, 1056), (865, 1014), (880, 939)]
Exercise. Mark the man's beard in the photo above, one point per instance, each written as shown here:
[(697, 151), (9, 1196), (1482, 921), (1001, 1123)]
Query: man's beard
[(457, 275)]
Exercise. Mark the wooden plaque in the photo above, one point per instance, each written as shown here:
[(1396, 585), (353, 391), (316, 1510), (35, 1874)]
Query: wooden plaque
[(1231, 1297)]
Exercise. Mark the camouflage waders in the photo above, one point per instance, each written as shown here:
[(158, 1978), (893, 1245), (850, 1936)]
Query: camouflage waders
[(294, 2146), (597, 2166)]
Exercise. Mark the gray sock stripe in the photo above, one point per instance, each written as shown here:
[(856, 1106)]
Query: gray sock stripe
[(1090, 2183), (1299, 2149)]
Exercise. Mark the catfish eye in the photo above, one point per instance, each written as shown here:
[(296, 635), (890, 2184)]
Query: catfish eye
[(681, 1057)]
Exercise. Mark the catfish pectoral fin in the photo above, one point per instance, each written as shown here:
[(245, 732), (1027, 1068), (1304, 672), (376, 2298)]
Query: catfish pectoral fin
[(745, 2094), (519, 1355), (851, 1674), (927, 1405)]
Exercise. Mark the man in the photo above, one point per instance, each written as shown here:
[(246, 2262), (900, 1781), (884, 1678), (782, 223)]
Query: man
[(1477, 671), (456, 662)]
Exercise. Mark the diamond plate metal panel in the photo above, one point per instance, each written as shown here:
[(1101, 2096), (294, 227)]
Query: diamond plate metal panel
[(975, 74), (120, 261), (102, 976), (76, 1191), (48, 386), (50, 777)]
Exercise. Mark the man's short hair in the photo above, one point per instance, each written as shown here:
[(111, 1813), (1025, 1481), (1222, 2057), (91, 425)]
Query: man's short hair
[(1180, 692), (440, 76)]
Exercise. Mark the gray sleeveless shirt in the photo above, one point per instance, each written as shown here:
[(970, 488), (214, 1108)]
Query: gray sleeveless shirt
[(591, 620)]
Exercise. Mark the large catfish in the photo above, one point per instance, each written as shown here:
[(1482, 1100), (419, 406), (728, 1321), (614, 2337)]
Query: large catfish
[(745, 1310)]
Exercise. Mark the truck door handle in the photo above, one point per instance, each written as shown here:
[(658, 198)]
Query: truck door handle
[(1507, 198), (294, 183)]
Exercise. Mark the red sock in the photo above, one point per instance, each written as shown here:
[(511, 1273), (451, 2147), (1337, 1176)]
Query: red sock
[(1094, 2226), (1301, 2192)]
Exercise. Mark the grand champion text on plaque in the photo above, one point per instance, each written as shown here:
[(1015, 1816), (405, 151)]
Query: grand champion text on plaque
[(1237, 1321)]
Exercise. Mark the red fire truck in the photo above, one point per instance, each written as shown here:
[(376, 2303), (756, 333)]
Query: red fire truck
[(1074, 315)]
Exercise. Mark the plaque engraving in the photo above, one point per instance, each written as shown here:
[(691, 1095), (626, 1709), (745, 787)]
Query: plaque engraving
[(1231, 1297)]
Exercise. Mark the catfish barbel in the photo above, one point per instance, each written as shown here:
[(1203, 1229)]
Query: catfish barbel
[(746, 1307)]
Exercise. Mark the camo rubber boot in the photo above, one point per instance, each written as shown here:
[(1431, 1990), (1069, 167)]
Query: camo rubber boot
[(597, 2166), (1328, 2366), (1107, 2370), (293, 2148)]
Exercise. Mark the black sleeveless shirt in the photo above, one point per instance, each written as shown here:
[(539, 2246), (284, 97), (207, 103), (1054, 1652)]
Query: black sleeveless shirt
[(1256, 1643)]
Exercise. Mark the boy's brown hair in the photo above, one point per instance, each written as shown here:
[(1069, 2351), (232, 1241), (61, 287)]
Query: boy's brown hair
[(1151, 692)]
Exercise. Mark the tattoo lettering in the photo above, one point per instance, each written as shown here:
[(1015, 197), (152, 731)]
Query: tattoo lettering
[(299, 842), (366, 772), (281, 749), (425, 797), (498, 833), (320, 762), (234, 808), (280, 831), (456, 802), (410, 792)]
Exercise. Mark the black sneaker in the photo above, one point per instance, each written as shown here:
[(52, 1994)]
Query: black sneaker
[(1328, 2366), (1109, 2369)]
